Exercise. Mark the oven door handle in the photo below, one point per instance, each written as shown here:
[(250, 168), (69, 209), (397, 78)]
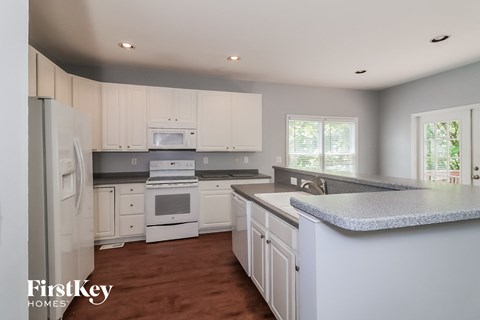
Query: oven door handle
[(171, 186)]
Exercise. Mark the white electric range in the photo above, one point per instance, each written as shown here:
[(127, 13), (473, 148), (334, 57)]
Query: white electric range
[(171, 200)]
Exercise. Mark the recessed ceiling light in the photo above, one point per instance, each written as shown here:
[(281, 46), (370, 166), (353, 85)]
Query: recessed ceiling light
[(360, 71), (233, 58), (126, 45), (441, 38)]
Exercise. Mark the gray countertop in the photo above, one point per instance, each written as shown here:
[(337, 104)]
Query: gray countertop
[(248, 191), (414, 203), (203, 175)]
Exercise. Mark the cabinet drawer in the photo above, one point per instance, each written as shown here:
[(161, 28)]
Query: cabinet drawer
[(215, 185), (132, 188), (132, 204), (132, 225), (259, 214), (283, 231)]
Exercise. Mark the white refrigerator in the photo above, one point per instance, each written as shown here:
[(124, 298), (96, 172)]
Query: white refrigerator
[(60, 227)]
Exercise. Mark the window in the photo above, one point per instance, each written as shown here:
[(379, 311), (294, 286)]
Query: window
[(322, 143)]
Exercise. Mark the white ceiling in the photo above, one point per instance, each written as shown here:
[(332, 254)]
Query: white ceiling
[(306, 42)]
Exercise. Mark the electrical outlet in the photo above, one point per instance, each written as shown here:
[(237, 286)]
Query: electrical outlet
[(278, 159), (245, 159), (205, 160), (293, 181), (134, 161)]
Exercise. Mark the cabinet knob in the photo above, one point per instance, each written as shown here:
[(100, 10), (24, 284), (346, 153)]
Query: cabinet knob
[(227, 148), (128, 146), (297, 268), (268, 241), (218, 186), (168, 119), (233, 147), (131, 189), (131, 227), (111, 191), (262, 236), (176, 119), (131, 205), (119, 147)]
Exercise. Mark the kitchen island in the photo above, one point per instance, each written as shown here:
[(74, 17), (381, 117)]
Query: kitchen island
[(409, 250)]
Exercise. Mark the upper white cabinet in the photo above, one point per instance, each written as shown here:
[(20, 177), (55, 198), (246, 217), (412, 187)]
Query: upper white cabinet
[(63, 87), (47, 80), (247, 122), (124, 117), (229, 121), (171, 108), (87, 98), (32, 72), (45, 77)]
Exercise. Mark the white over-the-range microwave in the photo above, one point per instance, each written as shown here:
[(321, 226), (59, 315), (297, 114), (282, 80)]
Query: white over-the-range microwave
[(172, 138)]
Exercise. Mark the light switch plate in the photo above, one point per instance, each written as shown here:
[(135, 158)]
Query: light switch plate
[(278, 159), (293, 181), (134, 161), (205, 160), (245, 159)]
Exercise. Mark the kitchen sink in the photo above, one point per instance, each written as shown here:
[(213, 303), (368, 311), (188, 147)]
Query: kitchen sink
[(281, 200)]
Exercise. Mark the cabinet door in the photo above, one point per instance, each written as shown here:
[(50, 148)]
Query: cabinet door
[(185, 108), (32, 72), (111, 112), (87, 98), (214, 121), (215, 209), (45, 77), (136, 121), (281, 279), (247, 124), (104, 209), (63, 87), (259, 263), (160, 103)]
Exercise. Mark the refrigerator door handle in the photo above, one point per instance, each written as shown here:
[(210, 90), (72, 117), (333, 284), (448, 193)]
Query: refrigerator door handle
[(81, 168)]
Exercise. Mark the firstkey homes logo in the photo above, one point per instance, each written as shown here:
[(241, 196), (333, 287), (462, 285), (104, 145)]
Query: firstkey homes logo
[(96, 294)]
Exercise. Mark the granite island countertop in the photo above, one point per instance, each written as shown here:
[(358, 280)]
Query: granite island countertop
[(409, 203)]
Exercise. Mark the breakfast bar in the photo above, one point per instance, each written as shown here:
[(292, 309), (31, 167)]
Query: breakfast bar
[(411, 251)]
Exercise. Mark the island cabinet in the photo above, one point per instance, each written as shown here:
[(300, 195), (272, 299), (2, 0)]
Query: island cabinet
[(171, 108), (87, 98), (273, 264), (124, 117), (229, 121)]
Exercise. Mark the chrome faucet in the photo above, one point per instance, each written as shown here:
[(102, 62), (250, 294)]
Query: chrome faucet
[(321, 189)]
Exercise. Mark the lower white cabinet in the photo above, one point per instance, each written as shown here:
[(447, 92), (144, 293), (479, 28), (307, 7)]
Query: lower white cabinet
[(215, 214), (274, 244), (119, 211), (104, 211)]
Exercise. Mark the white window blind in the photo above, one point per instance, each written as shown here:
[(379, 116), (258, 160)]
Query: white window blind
[(322, 143)]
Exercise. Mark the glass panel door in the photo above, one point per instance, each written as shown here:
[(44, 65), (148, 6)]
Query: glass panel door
[(444, 147)]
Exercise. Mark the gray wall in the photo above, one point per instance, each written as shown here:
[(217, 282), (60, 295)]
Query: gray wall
[(14, 163), (452, 88), (278, 100)]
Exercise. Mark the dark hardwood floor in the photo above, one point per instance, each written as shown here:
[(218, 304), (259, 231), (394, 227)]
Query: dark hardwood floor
[(187, 279)]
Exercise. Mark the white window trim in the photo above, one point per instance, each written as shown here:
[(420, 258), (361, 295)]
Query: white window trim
[(323, 119)]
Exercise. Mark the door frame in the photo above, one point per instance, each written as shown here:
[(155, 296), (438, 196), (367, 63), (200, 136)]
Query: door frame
[(416, 133)]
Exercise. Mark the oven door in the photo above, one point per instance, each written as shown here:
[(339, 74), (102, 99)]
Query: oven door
[(171, 205)]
